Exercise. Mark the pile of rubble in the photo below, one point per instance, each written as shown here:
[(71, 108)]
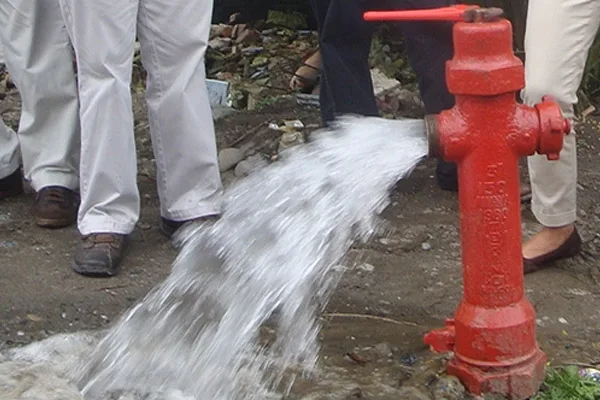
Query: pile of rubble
[(258, 60), (254, 62)]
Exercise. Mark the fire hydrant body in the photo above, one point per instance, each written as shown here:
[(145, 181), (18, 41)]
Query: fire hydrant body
[(492, 334)]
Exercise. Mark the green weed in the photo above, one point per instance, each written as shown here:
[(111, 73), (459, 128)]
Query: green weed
[(565, 383)]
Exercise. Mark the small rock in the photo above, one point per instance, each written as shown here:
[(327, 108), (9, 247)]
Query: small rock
[(220, 112), (448, 388), (237, 30), (220, 43), (382, 83), (34, 318), (224, 76), (383, 350), (248, 37), (366, 267), (411, 393), (563, 321), (426, 246), (229, 158), (246, 167), (221, 30), (385, 241), (340, 268), (290, 139)]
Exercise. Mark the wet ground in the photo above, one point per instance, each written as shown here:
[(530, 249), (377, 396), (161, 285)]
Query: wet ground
[(397, 287)]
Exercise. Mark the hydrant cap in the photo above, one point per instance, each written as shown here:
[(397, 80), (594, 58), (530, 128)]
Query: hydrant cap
[(484, 63)]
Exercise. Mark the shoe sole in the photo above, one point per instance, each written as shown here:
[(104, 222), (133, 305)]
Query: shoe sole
[(105, 274), (53, 223)]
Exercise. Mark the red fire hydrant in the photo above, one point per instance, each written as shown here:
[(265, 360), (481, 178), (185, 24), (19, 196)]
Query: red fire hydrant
[(493, 332)]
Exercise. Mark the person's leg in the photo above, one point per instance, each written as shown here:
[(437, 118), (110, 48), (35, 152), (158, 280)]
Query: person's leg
[(174, 35), (557, 40), (429, 45), (40, 62), (345, 42), (10, 175), (103, 35)]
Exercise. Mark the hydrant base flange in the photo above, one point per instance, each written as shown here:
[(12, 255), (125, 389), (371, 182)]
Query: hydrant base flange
[(518, 382)]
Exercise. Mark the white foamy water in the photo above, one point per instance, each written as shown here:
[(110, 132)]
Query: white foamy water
[(197, 336)]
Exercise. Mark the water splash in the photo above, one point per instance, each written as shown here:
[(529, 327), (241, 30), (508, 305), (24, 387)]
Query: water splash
[(197, 335)]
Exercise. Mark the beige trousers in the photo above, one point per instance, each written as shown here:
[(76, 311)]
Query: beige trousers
[(39, 59), (557, 41), (174, 37)]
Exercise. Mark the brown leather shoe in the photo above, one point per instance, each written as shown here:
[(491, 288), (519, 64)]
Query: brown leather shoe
[(11, 185), (570, 248), (169, 227), (55, 207), (99, 254)]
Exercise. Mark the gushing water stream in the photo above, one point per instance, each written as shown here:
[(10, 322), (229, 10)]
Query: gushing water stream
[(197, 335)]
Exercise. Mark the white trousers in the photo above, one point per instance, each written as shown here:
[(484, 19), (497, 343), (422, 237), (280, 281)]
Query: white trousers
[(557, 41), (40, 62), (173, 36)]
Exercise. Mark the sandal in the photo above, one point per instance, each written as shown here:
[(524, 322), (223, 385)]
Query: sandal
[(306, 77)]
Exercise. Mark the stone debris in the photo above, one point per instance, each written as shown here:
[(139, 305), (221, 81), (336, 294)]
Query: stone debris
[(448, 388), (229, 158)]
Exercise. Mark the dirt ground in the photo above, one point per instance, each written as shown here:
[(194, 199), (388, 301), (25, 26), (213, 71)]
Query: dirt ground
[(409, 279)]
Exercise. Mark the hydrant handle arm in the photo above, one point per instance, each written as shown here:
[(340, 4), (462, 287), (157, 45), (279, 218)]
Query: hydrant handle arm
[(460, 12)]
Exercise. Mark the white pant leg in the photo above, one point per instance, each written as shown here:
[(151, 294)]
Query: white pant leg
[(558, 37), (9, 151), (103, 35), (40, 62), (174, 36)]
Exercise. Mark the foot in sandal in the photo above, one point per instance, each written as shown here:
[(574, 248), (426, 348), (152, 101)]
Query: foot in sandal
[(306, 77)]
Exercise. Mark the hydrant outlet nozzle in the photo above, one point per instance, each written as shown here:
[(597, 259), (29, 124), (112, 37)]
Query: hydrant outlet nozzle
[(431, 132), (553, 127)]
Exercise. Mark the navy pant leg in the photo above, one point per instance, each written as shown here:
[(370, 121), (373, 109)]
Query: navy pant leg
[(429, 46), (345, 42)]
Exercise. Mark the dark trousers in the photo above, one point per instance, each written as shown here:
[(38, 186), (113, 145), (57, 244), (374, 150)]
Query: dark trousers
[(345, 42)]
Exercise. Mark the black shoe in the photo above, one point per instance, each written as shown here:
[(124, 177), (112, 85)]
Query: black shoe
[(447, 176), (11, 185), (169, 227), (570, 248)]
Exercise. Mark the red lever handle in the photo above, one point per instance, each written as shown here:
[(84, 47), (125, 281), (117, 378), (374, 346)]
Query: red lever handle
[(454, 13), (460, 12)]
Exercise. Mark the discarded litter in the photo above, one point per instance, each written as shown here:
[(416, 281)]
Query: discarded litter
[(307, 100), (286, 126), (590, 373), (217, 92), (408, 359)]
